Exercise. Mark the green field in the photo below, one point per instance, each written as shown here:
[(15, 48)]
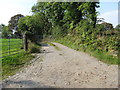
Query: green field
[(10, 46), (16, 59)]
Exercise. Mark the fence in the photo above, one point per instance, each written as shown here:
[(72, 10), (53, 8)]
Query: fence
[(10, 46)]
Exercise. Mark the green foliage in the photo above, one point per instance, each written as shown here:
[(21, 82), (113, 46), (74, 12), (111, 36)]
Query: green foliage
[(34, 25), (57, 31), (13, 24), (1, 27), (107, 26), (101, 55), (117, 27), (73, 21), (76, 23), (5, 31), (67, 14)]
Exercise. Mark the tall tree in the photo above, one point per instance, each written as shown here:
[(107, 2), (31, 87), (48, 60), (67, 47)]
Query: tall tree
[(34, 25), (13, 23), (1, 27), (93, 13), (107, 26), (6, 32), (68, 14), (117, 27)]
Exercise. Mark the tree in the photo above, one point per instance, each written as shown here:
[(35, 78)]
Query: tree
[(99, 20), (93, 13), (34, 25), (6, 32), (99, 29), (1, 29), (67, 14), (117, 27), (13, 24), (107, 26)]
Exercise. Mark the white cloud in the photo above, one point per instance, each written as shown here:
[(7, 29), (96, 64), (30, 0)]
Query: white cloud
[(9, 8), (109, 0), (110, 17)]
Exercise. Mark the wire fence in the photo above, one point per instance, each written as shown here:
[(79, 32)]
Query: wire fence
[(10, 46)]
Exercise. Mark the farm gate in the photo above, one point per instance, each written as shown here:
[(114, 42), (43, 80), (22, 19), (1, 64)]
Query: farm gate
[(10, 46)]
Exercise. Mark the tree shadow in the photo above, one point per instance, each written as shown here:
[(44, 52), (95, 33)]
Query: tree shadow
[(23, 84), (44, 44)]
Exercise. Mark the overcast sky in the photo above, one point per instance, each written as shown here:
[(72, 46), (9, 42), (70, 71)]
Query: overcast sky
[(8, 8)]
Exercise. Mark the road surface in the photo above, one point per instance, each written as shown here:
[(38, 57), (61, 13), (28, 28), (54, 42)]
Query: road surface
[(64, 68)]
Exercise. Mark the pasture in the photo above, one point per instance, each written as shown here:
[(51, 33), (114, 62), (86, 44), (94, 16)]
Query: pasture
[(10, 47)]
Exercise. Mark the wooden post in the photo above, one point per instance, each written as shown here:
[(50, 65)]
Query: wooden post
[(9, 44), (118, 54), (25, 42)]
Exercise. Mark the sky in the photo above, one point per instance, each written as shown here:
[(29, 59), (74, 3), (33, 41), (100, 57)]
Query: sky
[(109, 11), (8, 8)]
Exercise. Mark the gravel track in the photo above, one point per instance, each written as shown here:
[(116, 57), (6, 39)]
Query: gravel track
[(64, 68)]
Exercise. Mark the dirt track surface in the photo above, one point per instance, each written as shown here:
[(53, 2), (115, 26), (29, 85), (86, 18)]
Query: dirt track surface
[(64, 68)]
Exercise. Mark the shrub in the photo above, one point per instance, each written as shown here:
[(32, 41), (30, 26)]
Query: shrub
[(34, 48)]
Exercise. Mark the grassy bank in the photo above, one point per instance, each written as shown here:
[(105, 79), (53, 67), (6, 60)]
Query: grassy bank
[(100, 55), (12, 64)]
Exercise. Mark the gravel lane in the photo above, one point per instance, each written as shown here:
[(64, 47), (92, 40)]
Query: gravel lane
[(64, 68)]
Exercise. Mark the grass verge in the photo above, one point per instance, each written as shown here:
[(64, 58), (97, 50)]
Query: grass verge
[(12, 64), (102, 56), (56, 47)]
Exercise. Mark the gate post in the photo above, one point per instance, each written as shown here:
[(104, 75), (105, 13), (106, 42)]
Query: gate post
[(9, 36), (25, 42)]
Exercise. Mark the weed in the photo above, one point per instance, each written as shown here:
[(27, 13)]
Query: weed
[(56, 47)]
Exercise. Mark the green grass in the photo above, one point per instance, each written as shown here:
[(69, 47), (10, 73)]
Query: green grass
[(105, 57), (56, 47), (102, 56), (12, 64), (15, 46)]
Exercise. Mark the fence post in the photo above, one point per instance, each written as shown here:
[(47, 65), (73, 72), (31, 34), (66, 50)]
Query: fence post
[(8, 44), (25, 42)]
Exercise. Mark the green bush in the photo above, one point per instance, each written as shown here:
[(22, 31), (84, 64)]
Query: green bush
[(57, 31), (34, 48)]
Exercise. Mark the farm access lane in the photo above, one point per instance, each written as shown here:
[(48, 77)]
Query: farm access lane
[(65, 68)]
